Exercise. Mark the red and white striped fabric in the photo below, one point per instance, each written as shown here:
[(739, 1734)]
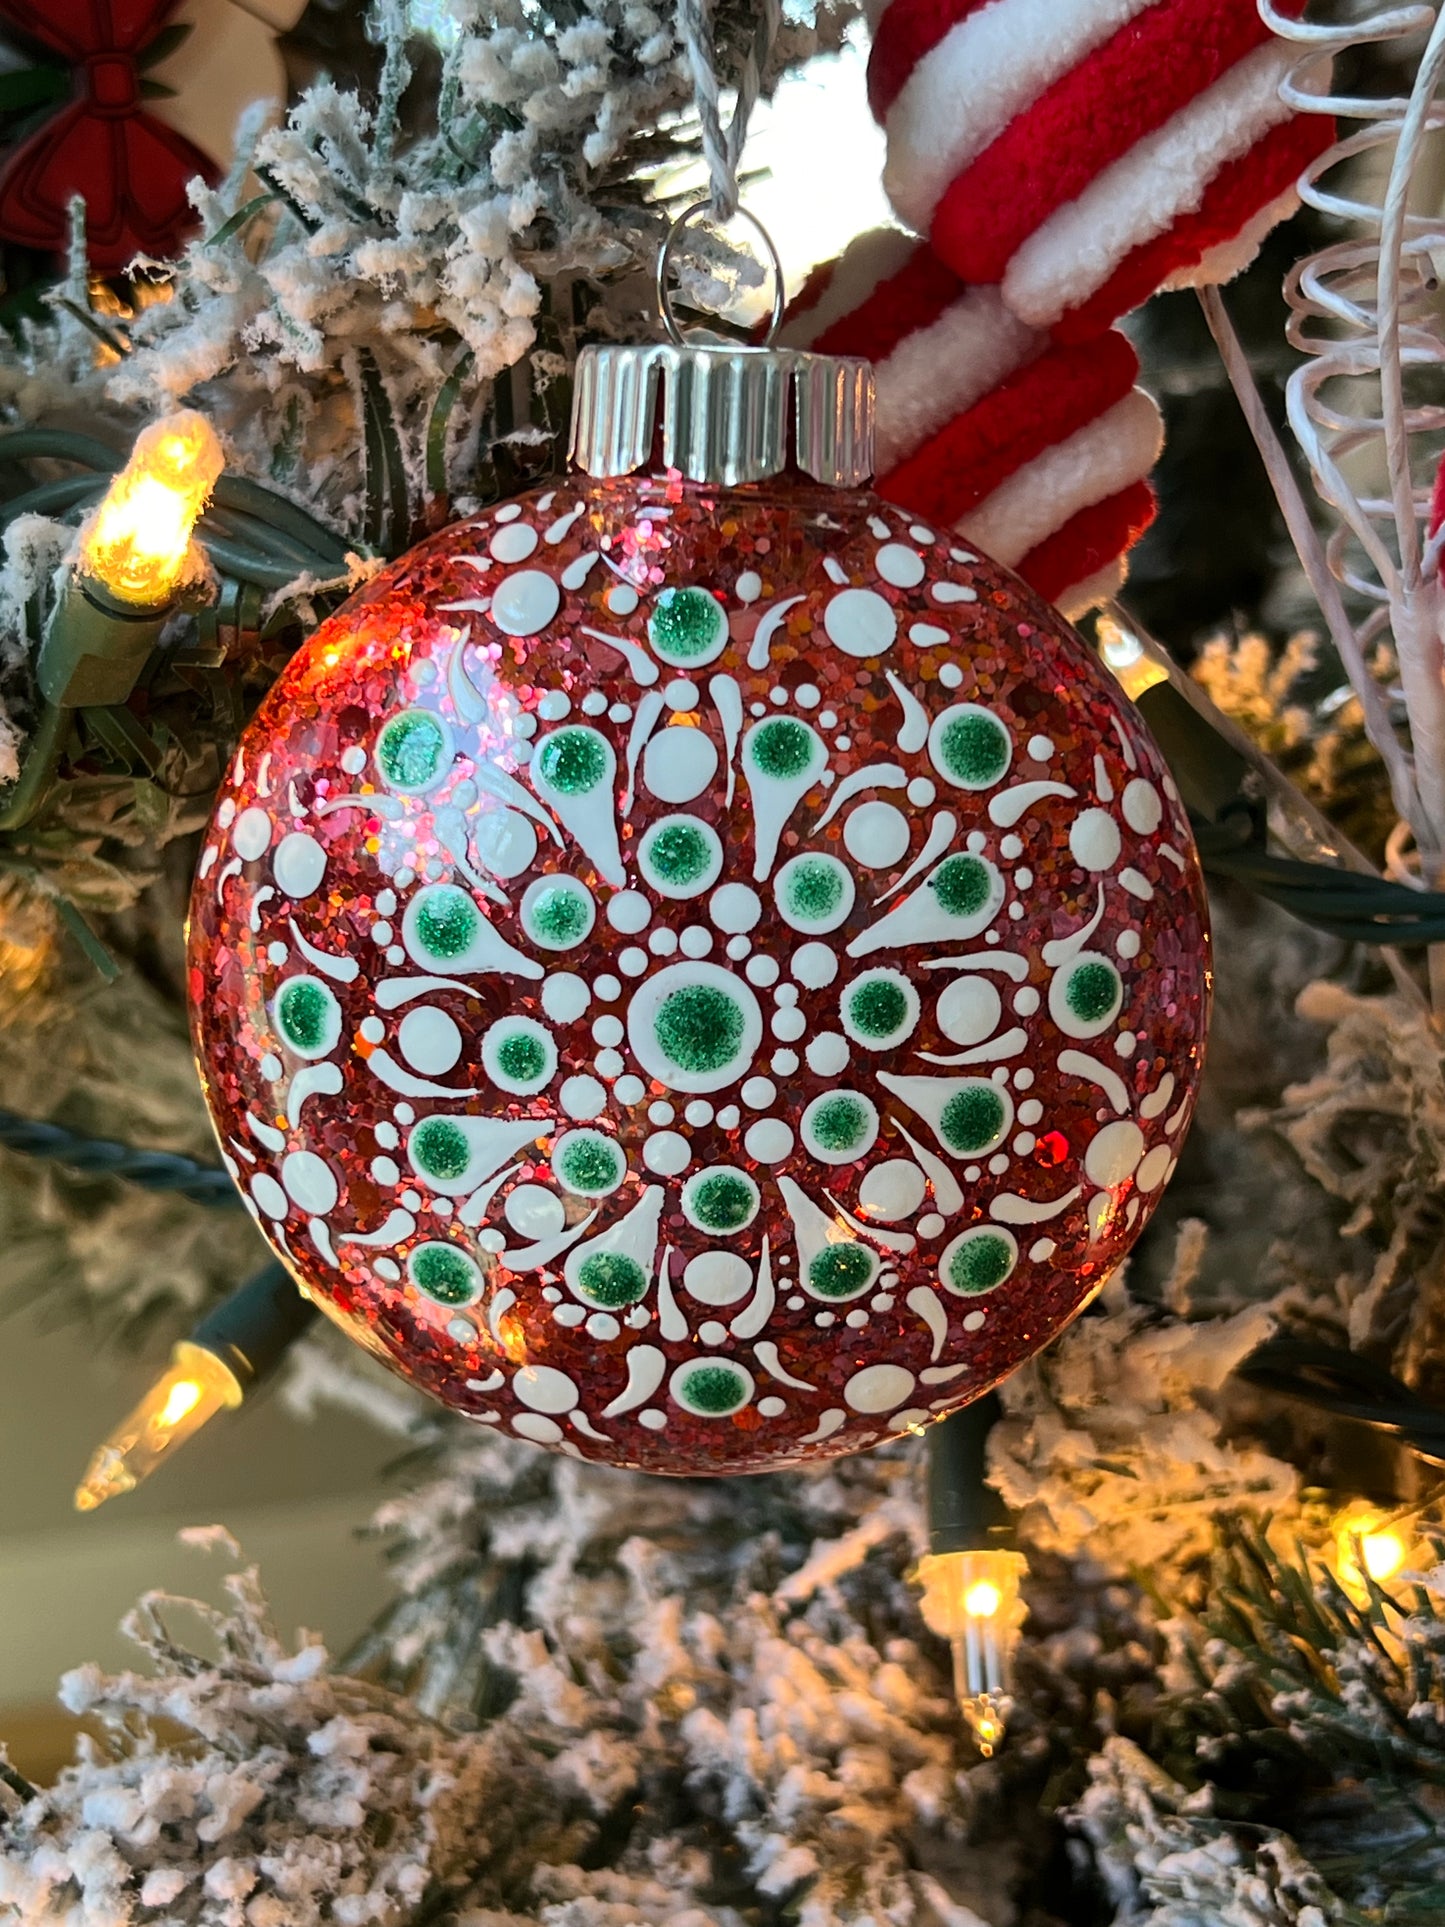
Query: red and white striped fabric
[(1082, 154), (1038, 451)]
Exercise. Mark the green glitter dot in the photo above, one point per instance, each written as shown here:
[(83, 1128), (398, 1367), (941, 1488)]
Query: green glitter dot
[(522, 1057), (560, 916), (612, 1279), (590, 1166), (1093, 991), (721, 1201), (446, 923), (838, 1123), (782, 748), (974, 749), (306, 1013), (444, 1273), (440, 1148), (572, 761), (980, 1264), (841, 1271), (699, 1028), (962, 885), (679, 853), (685, 625), (972, 1119), (878, 1007), (410, 749), (815, 890), (715, 1390)]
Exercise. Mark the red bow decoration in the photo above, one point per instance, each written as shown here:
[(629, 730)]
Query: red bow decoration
[(132, 169)]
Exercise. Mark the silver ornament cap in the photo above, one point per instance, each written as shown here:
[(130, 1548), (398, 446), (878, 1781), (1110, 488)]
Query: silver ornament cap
[(725, 412)]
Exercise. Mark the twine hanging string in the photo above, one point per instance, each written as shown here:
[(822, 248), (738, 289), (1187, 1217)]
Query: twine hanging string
[(723, 147)]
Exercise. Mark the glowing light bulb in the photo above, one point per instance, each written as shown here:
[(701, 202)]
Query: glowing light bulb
[(972, 1600), (193, 1390), (138, 543), (1368, 1546), (1124, 654)]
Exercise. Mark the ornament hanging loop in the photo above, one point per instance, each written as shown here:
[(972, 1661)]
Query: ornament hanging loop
[(664, 261)]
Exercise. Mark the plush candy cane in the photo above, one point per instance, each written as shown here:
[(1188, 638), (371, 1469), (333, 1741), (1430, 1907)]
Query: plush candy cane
[(1082, 154), (1035, 450)]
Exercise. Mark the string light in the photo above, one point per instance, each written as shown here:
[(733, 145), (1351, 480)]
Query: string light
[(1369, 1546), (225, 1357), (138, 543), (1134, 668), (972, 1599)]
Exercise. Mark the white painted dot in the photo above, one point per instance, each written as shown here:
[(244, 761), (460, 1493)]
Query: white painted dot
[(927, 635), (621, 599), (698, 1113), (1094, 840), (814, 965), (998, 1164), (825, 1319), (931, 1224), (629, 1090), (525, 603), (860, 622), (758, 1093), (711, 1332), (269, 1195), (608, 1030), (950, 675), (749, 586), (975, 1321), (534, 1212), (299, 863), (607, 987), (583, 1097), (652, 1420), (778, 697), (565, 997), (603, 1327), (695, 941), (609, 1063), (542, 1388), (969, 1010), (629, 911), (762, 971), (353, 760), (844, 742), (1125, 1044), (667, 1153), (807, 695), (1030, 1111), (786, 994), (900, 567), (788, 1024), (381, 933), (682, 695), (1143, 809), (619, 712), (738, 947), (856, 1319), (827, 1053), (509, 511), (252, 835), (310, 1181), (1026, 1001), (717, 1278), (396, 954), (430, 1040), (1155, 1168), (662, 942), (921, 792), (1024, 1143), (769, 1140), (783, 1063), (878, 1388), (876, 835), (1114, 1153), (729, 1117), (372, 1029), (632, 962), (771, 1407), (513, 543), (734, 908), (387, 1135), (661, 1112), (921, 534), (1042, 1251), (891, 1190), (1023, 1080), (593, 703), (277, 953), (679, 763)]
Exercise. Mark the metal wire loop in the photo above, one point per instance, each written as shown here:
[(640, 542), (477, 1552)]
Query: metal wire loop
[(664, 259)]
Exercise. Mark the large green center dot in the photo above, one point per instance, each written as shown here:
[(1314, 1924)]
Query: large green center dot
[(686, 625), (838, 1123), (410, 750), (572, 761), (304, 1012), (446, 923), (979, 1262), (962, 885), (611, 1279), (782, 749), (713, 1391), (439, 1148), (815, 889), (445, 1274), (841, 1271), (878, 1008), (560, 916), (699, 1028), (721, 1201), (522, 1057), (679, 853), (1093, 990), (973, 1119), (973, 749)]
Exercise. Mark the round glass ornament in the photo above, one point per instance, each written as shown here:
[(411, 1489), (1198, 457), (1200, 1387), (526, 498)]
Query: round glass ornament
[(700, 973)]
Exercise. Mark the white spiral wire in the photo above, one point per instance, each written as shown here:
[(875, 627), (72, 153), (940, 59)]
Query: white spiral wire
[(1362, 313)]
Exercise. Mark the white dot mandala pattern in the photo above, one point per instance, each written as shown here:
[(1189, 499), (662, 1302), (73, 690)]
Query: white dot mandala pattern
[(699, 990)]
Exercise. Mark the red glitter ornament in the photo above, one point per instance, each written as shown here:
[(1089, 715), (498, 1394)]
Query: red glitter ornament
[(699, 977)]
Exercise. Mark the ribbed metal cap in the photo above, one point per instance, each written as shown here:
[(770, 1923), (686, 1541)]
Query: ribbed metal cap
[(728, 414)]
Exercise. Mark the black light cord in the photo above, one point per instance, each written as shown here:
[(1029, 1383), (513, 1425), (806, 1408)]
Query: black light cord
[(101, 1158), (1348, 1386)]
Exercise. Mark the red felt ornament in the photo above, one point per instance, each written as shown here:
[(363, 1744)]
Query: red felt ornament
[(694, 967), (131, 168)]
